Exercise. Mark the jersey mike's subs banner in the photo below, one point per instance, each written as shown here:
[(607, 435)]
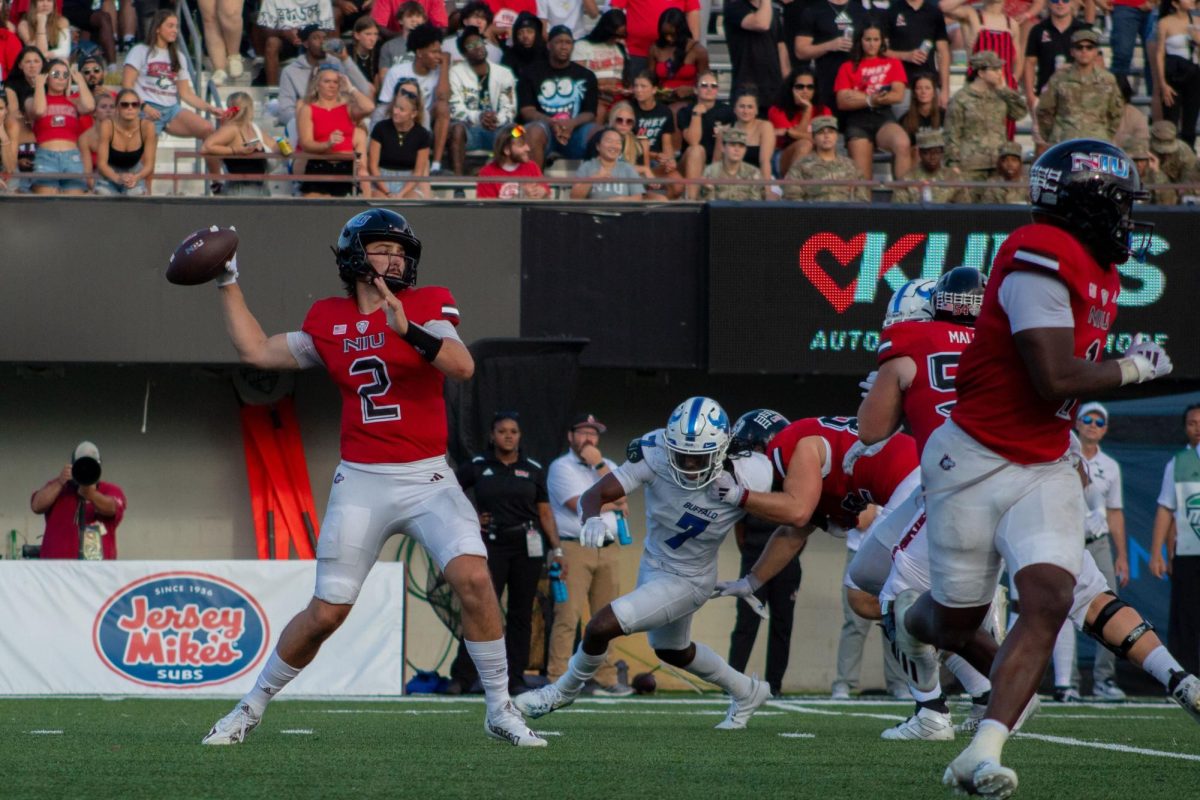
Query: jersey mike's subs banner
[(186, 628), (803, 289)]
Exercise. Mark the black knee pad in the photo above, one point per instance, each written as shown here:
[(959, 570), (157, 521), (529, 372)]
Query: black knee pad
[(1096, 629)]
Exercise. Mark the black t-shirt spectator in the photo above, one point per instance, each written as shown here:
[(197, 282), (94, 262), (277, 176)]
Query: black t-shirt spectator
[(754, 54), (719, 114), (653, 124), (398, 151), (569, 91), (509, 492), (1051, 48), (907, 27), (824, 20)]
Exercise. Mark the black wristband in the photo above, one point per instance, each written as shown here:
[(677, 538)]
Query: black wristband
[(425, 343)]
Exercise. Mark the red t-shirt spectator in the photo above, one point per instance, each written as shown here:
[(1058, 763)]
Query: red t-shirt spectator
[(62, 539), (18, 8), (505, 191), (506, 12), (779, 119), (10, 49), (869, 75), (384, 13), (641, 21)]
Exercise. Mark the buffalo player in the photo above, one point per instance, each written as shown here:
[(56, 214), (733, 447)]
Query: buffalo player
[(685, 527), (388, 346), (997, 485)]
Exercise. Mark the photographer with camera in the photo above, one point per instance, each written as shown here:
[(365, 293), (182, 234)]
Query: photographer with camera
[(82, 512)]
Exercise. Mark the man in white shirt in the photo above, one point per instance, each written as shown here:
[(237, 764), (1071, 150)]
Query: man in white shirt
[(578, 15)]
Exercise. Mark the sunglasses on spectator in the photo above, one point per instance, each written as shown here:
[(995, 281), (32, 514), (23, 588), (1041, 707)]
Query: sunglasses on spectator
[(1085, 46), (804, 86), (58, 74), (708, 85), (93, 71), (475, 45), (1059, 2), (1088, 419), (623, 120), (409, 93), (129, 104)]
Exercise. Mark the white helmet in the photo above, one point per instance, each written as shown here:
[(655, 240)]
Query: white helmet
[(911, 302), (697, 437)]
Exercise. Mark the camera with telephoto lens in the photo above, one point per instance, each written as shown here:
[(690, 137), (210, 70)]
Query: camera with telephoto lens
[(85, 464)]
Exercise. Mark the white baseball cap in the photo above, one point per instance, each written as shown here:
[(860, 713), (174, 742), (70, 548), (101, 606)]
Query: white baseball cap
[(1093, 407), (86, 450)]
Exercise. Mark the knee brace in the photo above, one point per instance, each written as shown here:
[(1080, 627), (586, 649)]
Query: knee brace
[(1096, 628)]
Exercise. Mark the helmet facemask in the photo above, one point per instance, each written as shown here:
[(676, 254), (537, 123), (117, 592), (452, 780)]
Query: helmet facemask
[(697, 439)]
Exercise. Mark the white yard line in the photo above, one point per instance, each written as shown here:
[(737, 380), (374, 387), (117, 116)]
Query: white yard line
[(410, 711), (299, 731), (1119, 748), (46, 733), (798, 735)]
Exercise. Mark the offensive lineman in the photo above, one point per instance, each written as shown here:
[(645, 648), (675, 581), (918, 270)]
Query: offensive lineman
[(388, 346), (685, 524)]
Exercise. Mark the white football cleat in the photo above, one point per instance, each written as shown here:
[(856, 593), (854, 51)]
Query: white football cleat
[(508, 725), (974, 716), (1108, 691), (919, 659), (740, 712), (925, 724), (985, 778), (540, 702), (233, 727), (1187, 694)]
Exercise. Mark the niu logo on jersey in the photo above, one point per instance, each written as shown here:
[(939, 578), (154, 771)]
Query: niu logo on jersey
[(1099, 318), (358, 344)]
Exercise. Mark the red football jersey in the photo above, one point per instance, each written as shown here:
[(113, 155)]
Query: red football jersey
[(393, 411), (935, 347), (875, 477), (997, 403)]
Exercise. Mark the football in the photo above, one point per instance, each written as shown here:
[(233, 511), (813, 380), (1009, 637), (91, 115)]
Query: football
[(202, 256), (644, 683)]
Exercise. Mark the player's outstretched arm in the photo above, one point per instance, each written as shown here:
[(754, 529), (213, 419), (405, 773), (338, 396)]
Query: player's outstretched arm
[(783, 546), (1057, 374), (880, 412), (601, 493), (801, 488), (252, 344)]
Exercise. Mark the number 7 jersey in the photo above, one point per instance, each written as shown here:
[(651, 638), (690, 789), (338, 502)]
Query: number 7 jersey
[(393, 411)]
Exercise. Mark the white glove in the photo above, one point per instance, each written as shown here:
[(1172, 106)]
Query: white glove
[(231, 273), (1144, 361), (595, 533), (859, 450), (744, 586), (726, 489), (1096, 523), (868, 382)]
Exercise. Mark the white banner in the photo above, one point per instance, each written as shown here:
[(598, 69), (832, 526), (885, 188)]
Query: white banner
[(186, 628)]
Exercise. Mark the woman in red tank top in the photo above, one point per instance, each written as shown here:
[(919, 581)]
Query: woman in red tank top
[(55, 117), (993, 28), (328, 124), (676, 59)]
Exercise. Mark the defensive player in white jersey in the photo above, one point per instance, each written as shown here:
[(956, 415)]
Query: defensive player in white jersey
[(685, 527)]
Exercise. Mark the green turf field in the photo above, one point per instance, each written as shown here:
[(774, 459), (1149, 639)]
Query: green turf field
[(641, 747)]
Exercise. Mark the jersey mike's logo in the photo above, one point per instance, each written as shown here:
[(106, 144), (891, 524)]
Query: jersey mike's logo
[(181, 630)]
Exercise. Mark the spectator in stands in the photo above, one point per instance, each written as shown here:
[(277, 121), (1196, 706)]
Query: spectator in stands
[(410, 15), (478, 15), (89, 140), (558, 101), (1082, 99), (603, 52), (47, 30), (29, 64), (9, 132), (222, 21), (82, 512), (642, 18), (925, 110), (511, 158), (824, 164), (526, 45), (623, 119), (976, 117), (55, 118), (430, 69), (1147, 166), (756, 48), (281, 23), (1131, 19), (506, 12), (93, 70), (158, 72), (791, 116), (992, 26), (655, 130), (572, 13), (126, 151), (400, 145), (1134, 124), (389, 14), (732, 166), (932, 174), (93, 21), (10, 45), (483, 98), (1007, 186), (1175, 158), (916, 35), (1049, 47), (676, 59), (867, 87), (608, 164), (328, 120), (242, 147), (1178, 74), (365, 50), (760, 135), (698, 123), (296, 76), (824, 33)]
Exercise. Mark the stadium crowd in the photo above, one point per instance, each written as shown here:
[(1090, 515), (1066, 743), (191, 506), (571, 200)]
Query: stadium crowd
[(628, 93)]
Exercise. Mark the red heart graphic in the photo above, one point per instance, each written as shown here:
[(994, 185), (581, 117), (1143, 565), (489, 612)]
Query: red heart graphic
[(845, 252)]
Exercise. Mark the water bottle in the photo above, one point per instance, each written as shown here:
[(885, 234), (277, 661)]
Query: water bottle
[(556, 583), (925, 47), (14, 552), (623, 529), (285, 147)]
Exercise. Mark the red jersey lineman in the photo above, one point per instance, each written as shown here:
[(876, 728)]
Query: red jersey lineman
[(388, 346)]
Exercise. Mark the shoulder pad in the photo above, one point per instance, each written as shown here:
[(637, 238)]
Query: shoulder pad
[(633, 452)]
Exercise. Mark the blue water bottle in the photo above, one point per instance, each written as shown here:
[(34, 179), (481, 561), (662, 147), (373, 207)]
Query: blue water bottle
[(556, 583), (623, 529)]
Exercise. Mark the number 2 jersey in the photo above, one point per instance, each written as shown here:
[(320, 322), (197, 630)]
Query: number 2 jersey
[(844, 496), (393, 411), (935, 347), (684, 528)]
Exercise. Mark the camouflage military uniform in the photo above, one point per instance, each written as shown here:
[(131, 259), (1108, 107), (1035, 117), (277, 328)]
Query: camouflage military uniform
[(1003, 193), (1074, 105), (814, 168), (975, 127), (935, 192), (1178, 163), (744, 172), (1159, 197)]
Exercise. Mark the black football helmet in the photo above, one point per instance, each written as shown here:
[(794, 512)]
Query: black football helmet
[(958, 296), (754, 430), (1088, 187), (374, 225)]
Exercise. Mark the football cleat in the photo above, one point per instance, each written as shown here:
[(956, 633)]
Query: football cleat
[(1187, 694), (971, 723), (986, 778), (918, 659), (1108, 691), (233, 727), (507, 725), (540, 702), (740, 711), (925, 724), (1066, 694), (840, 691)]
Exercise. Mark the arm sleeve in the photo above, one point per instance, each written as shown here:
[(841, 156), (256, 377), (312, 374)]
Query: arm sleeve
[(633, 474), (1035, 300), (443, 329), (1166, 495), (303, 349)]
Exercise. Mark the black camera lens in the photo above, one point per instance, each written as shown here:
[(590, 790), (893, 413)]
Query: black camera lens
[(85, 471)]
